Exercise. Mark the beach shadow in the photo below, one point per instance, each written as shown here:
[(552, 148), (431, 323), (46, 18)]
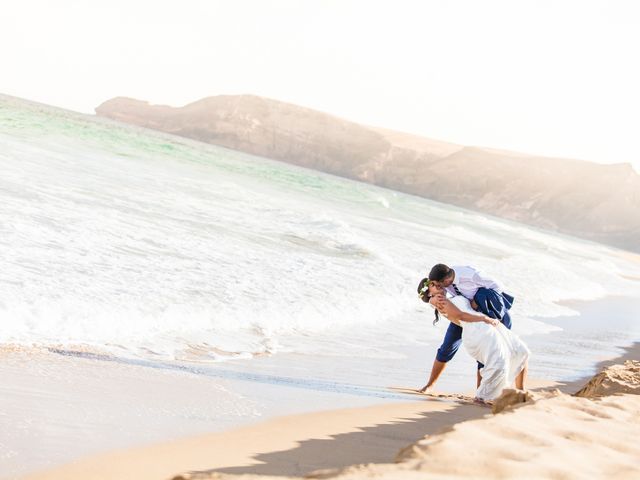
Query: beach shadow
[(371, 444), (379, 443)]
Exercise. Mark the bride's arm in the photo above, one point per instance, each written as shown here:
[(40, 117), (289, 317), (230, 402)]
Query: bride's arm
[(468, 317), (456, 315)]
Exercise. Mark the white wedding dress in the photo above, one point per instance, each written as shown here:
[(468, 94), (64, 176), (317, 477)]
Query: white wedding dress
[(501, 351)]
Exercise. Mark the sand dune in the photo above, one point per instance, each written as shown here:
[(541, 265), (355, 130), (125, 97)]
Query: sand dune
[(613, 380), (557, 436)]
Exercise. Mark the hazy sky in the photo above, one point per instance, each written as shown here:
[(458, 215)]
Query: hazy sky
[(552, 77)]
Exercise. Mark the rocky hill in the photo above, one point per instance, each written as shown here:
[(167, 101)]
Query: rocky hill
[(588, 200)]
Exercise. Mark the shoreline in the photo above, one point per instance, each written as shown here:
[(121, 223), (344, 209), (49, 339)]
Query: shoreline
[(603, 329), (290, 445), (317, 403), (295, 445)]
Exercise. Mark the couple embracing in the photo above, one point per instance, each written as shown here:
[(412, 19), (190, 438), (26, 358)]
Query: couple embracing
[(478, 310)]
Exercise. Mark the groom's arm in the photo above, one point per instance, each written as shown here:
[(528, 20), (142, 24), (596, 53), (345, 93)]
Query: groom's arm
[(482, 281)]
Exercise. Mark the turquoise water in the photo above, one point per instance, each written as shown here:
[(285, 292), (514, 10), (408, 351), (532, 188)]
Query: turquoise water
[(143, 244)]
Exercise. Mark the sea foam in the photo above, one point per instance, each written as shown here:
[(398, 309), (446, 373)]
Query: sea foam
[(138, 242)]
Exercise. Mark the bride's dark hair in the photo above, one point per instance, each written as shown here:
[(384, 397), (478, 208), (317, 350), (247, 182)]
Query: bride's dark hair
[(423, 292)]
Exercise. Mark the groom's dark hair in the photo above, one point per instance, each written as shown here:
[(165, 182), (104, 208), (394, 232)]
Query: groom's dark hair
[(439, 272)]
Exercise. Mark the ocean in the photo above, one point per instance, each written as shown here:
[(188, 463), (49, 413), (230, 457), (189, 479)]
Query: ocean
[(148, 249)]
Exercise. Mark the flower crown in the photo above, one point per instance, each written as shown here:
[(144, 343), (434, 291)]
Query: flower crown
[(424, 290)]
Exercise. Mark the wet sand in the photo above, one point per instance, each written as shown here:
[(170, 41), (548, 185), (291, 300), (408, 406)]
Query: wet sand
[(428, 434)]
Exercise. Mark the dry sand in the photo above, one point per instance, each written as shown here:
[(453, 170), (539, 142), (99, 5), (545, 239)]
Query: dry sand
[(558, 436)]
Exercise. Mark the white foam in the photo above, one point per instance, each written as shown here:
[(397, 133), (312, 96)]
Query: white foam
[(110, 239)]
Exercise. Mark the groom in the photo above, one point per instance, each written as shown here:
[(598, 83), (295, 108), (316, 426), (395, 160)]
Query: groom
[(486, 296)]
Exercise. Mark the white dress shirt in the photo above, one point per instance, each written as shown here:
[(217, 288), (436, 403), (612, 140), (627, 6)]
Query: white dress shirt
[(469, 280)]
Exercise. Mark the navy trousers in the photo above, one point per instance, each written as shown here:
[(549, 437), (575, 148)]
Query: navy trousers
[(490, 303)]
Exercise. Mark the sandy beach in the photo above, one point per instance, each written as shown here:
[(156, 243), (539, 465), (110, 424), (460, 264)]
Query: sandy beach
[(171, 307), (76, 414), (291, 445), (418, 438)]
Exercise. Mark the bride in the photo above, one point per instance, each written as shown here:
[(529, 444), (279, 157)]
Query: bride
[(501, 351)]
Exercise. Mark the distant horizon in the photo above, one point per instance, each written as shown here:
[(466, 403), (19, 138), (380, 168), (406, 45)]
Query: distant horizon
[(384, 127), (551, 78)]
